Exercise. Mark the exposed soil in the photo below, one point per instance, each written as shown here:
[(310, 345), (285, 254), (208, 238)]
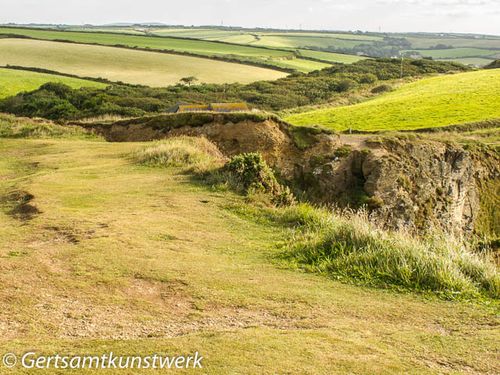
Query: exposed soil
[(21, 208)]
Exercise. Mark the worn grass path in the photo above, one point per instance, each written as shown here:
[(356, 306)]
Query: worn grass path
[(139, 260)]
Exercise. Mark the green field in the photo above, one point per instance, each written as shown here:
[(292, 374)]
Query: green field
[(118, 64), (140, 260), (274, 48), (431, 102), (13, 82), (475, 61), (456, 52), (271, 57), (428, 41), (292, 39), (330, 56)]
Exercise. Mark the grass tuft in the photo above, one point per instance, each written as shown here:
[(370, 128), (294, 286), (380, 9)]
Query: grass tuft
[(192, 154), (15, 127), (348, 246)]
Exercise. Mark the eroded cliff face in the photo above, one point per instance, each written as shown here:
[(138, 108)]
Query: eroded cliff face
[(411, 183), (407, 181)]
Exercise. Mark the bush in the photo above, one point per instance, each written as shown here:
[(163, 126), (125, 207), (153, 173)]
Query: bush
[(250, 174), (368, 78), (493, 65), (345, 85), (382, 88)]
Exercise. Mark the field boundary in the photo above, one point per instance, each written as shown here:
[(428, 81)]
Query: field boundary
[(69, 75), (154, 50)]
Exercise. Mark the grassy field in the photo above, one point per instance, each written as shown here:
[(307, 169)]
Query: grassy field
[(118, 64), (456, 53), (13, 82), (271, 57), (431, 102), (330, 56), (292, 39), (428, 41), (462, 47), (125, 258), (475, 61)]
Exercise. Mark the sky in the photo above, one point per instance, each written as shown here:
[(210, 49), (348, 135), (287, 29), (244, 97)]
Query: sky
[(470, 16)]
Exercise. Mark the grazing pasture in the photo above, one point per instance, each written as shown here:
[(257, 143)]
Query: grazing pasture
[(430, 102), (117, 64), (244, 53), (13, 82)]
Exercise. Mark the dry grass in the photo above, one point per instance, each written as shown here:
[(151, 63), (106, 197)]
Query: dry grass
[(139, 260), (18, 127), (118, 64), (191, 154), (348, 245)]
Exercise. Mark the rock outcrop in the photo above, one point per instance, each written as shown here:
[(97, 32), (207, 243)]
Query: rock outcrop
[(407, 181)]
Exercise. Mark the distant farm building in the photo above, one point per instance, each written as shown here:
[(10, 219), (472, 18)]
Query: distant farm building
[(212, 107)]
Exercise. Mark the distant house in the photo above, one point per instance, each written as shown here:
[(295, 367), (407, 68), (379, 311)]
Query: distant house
[(212, 107)]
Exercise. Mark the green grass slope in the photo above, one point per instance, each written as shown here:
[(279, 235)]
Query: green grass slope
[(244, 53), (430, 102), (126, 258), (13, 82), (118, 64)]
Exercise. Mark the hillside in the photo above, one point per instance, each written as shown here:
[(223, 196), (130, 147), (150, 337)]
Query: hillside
[(339, 83), (13, 82), (430, 102), (99, 253), (273, 58), (466, 48), (118, 64)]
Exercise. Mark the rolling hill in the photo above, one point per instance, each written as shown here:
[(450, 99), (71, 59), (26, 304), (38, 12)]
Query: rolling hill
[(118, 64), (274, 58), (13, 82), (430, 102), (459, 47)]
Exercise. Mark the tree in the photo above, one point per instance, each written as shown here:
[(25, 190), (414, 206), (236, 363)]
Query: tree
[(188, 80)]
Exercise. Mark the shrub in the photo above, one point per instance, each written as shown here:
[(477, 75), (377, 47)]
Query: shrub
[(382, 88), (493, 65), (193, 154), (342, 151), (345, 85), (249, 174), (368, 78)]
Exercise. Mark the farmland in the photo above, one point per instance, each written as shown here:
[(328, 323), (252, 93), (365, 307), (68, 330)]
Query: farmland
[(13, 82), (117, 64), (264, 56), (431, 102), (458, 47)]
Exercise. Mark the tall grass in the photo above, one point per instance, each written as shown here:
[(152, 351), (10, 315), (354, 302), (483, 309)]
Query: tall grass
[(16, 127), (348, 246), (191, 154)]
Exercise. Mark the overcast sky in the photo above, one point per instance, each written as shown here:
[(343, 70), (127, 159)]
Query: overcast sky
[(474, 16)]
